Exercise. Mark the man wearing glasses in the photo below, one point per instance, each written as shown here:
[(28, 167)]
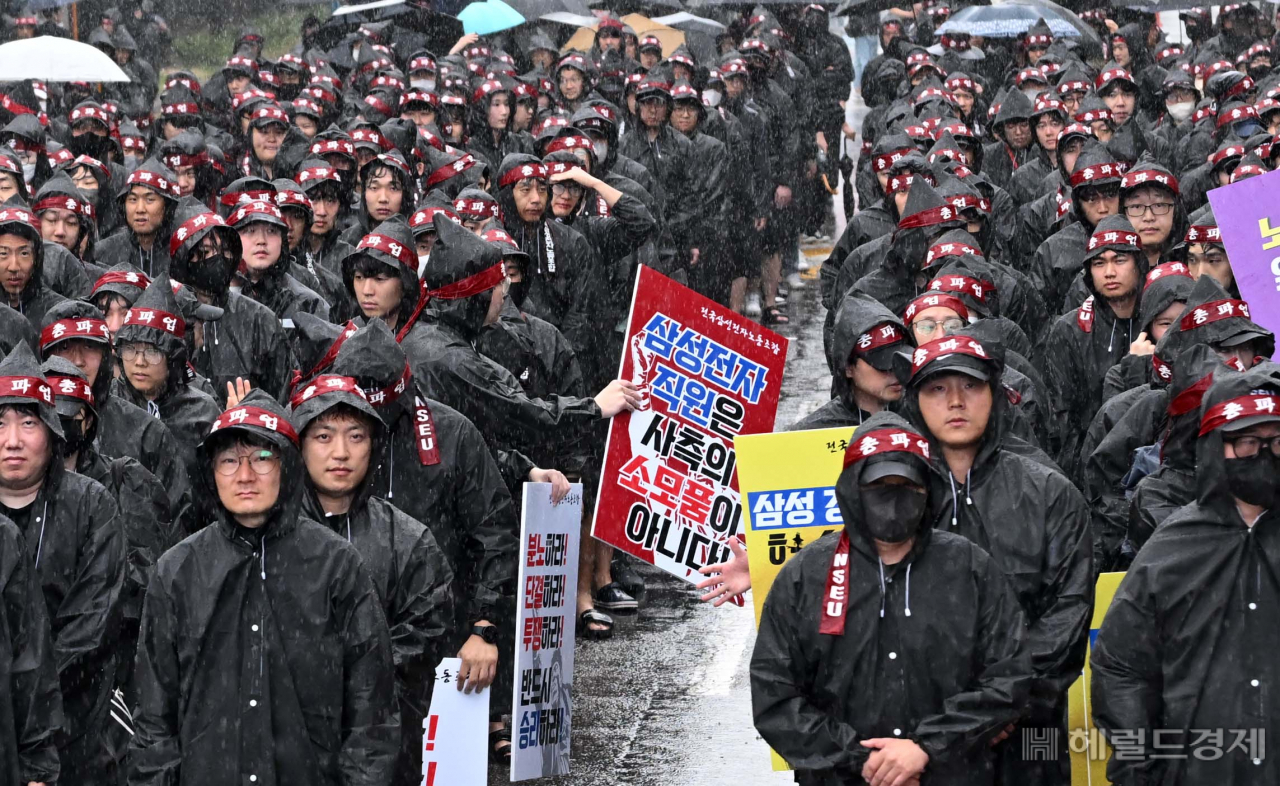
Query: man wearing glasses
[(1149, 197), (264, 656), (1202, 593)]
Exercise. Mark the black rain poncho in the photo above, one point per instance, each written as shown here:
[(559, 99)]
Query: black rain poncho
[(815, 696), (264, 653), (1189, 641)]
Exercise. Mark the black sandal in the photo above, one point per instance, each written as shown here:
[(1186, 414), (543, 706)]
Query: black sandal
[(500, 754), (592, 617), (774, 316)]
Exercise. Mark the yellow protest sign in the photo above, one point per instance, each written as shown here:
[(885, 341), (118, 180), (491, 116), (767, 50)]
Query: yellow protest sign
[(787, 482), (1089, 751)]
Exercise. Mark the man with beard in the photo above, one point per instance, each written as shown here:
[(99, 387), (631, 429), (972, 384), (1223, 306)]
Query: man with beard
[(1199, 595), (264, 655), (73, 534), (915, 661), (1083, 344), (341, 434), (1032, 521), (864, 341)]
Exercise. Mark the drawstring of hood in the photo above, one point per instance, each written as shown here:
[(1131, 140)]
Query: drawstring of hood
[(955, 498), (884, 593), (1111, 343), (153, 409), (44, 519), (264, 559), (391, 475), (907, 601)]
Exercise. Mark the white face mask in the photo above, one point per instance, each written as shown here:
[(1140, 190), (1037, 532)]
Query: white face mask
[(1181, 110), (601, 150), (428, 85), (28, 171), (422, 263), (1032, 93), (711, 98)]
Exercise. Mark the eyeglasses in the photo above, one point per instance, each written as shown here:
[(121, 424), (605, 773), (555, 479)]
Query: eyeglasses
[(1158, 209), (262, 462), (572, 189), (926, 327), (1248, 447), (131, 352)]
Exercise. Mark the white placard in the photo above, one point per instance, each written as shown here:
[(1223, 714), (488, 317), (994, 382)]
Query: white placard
[(546, 619), (455, 733)]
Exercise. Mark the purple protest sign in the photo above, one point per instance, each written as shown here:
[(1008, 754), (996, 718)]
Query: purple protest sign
[(1248, 214)]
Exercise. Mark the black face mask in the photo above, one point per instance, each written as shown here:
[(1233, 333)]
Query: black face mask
[(211, 276), (90, 145), (73, 434), (892, 513), (1255, 480)]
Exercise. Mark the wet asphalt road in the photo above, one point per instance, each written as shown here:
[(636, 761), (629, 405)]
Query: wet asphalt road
[(666, 701)]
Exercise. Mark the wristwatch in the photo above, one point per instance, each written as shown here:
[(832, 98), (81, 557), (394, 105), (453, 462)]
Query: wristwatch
[(489, 633)]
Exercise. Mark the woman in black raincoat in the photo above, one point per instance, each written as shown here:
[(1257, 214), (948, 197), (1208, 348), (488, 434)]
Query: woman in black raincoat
[(1029, 517), (857, 654), (263, 273), (1189, 641), (489, 118), (264, 653), (339, 430)]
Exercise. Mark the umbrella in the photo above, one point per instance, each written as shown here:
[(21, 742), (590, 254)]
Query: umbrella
[(489, 16), (670, 37), (533, 9), (691, 24), (54, 59), (1012, 19), (566, 18), (440, 30)]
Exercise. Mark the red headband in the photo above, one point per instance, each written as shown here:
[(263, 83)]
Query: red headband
[(318, 173), (1221, 414), (328, 146), (254, 416), (934, 301), (1231, 151), (1202, 233), (449, 170), (71, 387), (1214, 311), (880, 336), (190, 227), (142, 177), (405, 254), (1166, 269), (17, 214), (325, 384), (1114, 238), (85, 328), (930, 217), (160, 320), (950, 250), (477, 208), (427, 214), (536, 171), (882, 162), (942, 347), (979, 289), (1098, 171), (64, 203), (389, 394), (34, 388), (474, 284), (139, 280)]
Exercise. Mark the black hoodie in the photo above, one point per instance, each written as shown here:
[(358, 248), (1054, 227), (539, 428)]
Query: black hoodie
[(263, 651), (1202, 593), (933, 652), (35, 298)]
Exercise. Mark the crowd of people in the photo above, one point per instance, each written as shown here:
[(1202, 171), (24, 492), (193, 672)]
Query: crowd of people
[(280, 348)]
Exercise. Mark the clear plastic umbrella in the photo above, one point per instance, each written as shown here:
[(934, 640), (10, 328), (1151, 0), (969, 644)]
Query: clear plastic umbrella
[(54, 59)]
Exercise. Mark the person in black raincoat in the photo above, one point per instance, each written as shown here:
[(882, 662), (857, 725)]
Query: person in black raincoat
[(147, 201), (1050, 212), (892, 650), (1095, 194), (1083, 344), (74, 536), (865, 337), (1173, 485), (386, 190), (709, 226), (30, 701), (341, 435), (668, 155), (1164, 296), (1188, 642), (446, 478), (264, 655), (247, 341), (323, 185), (489, 117), (381, 276), (66, 219), (565, 284), (152, 349), (1031, 519), (1012, 148), (298, 212), (1031, 180), (22, 266), (263, 273)]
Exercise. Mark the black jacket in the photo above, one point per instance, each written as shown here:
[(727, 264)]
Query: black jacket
[(264, 652), (1202, 593), (857, 316), (123, 247), (816, 696), (285, 295), (30, 701), (247, 342)]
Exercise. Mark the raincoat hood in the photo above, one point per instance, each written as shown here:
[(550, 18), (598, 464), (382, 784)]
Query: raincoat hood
[(460, 276), (863, 326), (1211, 470), (925, 216), (392, 244), (1215, 318), (1164, 285), (156, 318), (76, 320), (372, 356), (22, 383), (18, 219)]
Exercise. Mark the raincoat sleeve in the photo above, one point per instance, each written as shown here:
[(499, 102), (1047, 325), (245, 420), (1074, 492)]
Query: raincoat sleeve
[(514, 467), (579, 321), (85, 624), (34, 699), (712, 200), (1104, 472), (370, 722), (1002, 675), (155, 753), (782, 668), (1056, 640), (421, 610), (627, 228), (492, 534), (1127, 691), (1062, 378)]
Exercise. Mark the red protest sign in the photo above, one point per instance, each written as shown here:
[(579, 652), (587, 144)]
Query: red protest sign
[(669, 489)]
